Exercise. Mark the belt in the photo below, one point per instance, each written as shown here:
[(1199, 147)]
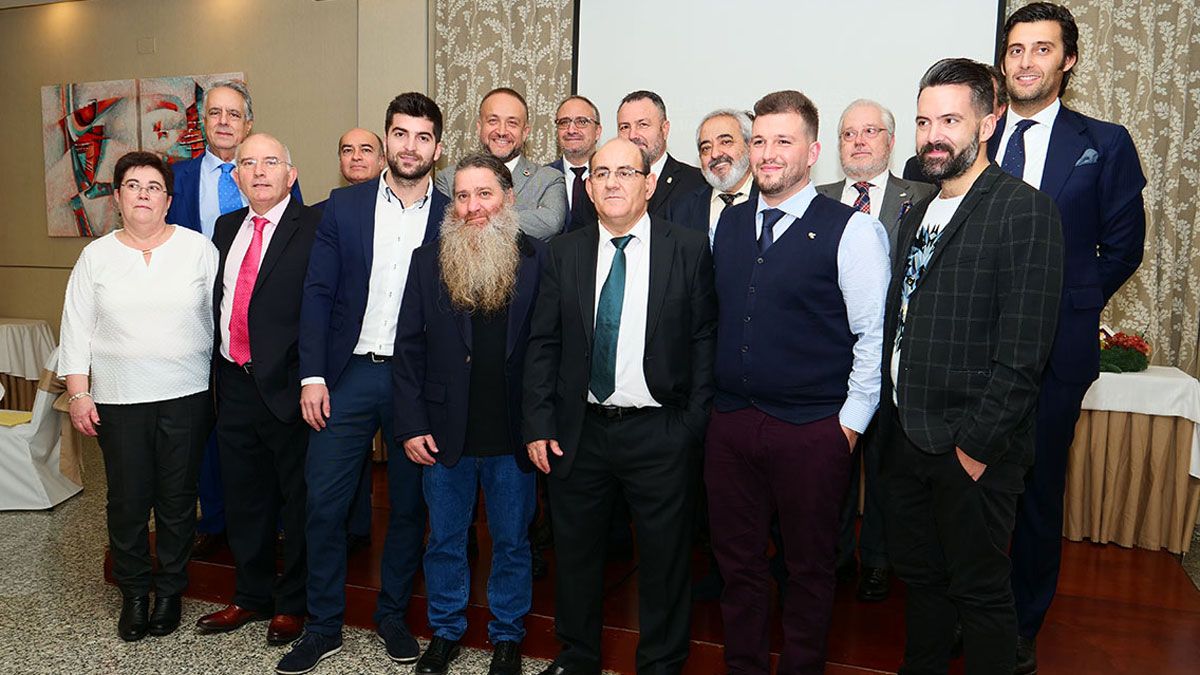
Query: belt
[(613, 412), (375, 358), (247, 367)]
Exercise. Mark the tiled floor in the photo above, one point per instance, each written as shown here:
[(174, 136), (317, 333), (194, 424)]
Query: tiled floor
[(57, 615)]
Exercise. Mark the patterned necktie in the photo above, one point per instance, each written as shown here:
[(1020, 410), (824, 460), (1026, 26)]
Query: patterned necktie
[(728, 197), (863, 203), (608, 325), (228, 197), (1014, 152), (769, 218), (239, 323), (578, 194)]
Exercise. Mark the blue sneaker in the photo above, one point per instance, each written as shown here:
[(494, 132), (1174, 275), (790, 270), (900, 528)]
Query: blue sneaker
[(307, 652), (401, 646)]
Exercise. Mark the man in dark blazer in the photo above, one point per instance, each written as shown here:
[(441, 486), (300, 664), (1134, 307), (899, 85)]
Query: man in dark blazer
[(866, 138), (618, 381), (352, 296), (970, 317), (577, 122), (468, 300), (642, 119), (256, 303), (723, 143), (1090, 169)]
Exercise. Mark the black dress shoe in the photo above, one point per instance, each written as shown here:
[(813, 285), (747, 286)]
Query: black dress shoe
[(541, 568), (437, 657), (135, 618), (874, 584), (165, 617), (506, 660), (1026, 656)]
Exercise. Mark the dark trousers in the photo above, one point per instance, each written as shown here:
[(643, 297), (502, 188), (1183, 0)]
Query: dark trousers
[(1037, 538), (872, 541), (360, 404), (755, 465), (359, 524), (948, 537), (152, 460), (649, 458), (262, 464), (210, 491)]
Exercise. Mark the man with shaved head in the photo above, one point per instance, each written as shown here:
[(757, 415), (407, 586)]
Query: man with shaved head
[(263, 441), (633, 294), (360, 156)]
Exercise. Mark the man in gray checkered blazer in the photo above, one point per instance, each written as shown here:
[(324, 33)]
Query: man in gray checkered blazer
[(971, 315)]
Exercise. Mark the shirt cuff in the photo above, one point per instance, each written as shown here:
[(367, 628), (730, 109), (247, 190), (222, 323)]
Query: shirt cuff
[(312, 380), (856, 415)]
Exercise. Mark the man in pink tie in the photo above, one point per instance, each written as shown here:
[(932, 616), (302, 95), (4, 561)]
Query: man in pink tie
[(262, 439)]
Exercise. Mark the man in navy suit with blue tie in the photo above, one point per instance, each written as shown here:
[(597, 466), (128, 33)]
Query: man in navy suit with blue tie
[(356, 277), (1091, 170)]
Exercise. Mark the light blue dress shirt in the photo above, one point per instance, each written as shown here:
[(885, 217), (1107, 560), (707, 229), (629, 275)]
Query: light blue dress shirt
[(210, 202)]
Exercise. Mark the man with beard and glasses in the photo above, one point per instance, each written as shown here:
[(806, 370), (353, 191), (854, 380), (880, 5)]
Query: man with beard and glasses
[(468, 300), (723, 142), (578, 125), (356, 276), (642, 119), (971, 315), (540, 192), (866, 136), (1090, 168), (801, 280)]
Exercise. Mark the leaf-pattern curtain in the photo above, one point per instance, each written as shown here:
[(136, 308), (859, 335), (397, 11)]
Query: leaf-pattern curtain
[(483, 44)]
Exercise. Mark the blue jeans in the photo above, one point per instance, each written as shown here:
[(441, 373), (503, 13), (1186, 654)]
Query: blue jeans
[(509, 495), (360, 404)]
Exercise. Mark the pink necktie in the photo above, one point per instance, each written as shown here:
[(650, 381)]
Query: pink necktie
[(239, 324)]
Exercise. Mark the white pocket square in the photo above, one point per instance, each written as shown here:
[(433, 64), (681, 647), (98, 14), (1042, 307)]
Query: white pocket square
[(1089, 156)]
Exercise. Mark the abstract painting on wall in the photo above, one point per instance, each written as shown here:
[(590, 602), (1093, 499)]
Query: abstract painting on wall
[(86, 128)]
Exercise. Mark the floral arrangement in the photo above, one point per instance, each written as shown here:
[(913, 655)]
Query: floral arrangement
[(1123, 353)]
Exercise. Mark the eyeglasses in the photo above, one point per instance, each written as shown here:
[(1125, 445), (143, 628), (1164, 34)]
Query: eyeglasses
[(624, 173), (580, 122), (154, 189), (868, 133), (248, 163)]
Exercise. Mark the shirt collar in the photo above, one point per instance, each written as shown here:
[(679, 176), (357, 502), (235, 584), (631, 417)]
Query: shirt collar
[(512, 164), (567, 165), (657, 167), (878, 181), (273, 214), (385, 191), (795, 205), (640, 230), (744, 188), (1045, 116), (209, 162)]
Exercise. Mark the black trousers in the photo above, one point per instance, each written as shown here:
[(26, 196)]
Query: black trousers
[(948, 538), (262, 469), (872, 541), (152, 455), (650, 459)]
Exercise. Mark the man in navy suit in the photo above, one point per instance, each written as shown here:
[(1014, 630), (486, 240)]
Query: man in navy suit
[(469, 299), (578, 124), (723, 142), (642, 119), (1091, 170), (356, 276)]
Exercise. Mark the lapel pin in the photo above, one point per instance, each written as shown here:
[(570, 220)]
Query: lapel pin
[(669, 179), (812, 235), (526, 172)]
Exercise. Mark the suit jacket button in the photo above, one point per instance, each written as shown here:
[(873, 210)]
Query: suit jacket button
[(468, 358), (759, 261)]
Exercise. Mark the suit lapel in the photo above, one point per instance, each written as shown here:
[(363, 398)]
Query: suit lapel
[(522, 297), (894, 196), (194, 181), (284, 231), (1068, 140), (366, 225), (585, 280), (662, 255), (983, 184), (663, 188), (521, 174)]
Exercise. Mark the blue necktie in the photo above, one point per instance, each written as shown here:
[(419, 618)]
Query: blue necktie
[(769, 217), (608, 325), (228, 197), (1014, 152)]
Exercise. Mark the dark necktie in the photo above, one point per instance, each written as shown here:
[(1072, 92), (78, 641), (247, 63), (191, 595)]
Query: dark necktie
[(578, 194), (608, 325), (728, 197), (1014, 152), (863, 203), (228, 197), (769, 218)]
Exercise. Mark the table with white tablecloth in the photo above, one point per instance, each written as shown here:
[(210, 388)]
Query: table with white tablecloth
[(25, 344), (1133, 477)]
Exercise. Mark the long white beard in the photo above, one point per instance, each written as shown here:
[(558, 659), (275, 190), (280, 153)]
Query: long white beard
[(479, 263)]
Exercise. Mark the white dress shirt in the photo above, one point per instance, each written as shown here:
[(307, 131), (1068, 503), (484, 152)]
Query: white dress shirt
[(209, 195), (631, 390), (875, 192), (716, 205), (1037, 141), (657, 167), (143, 332), (569, 176), (233, 262)]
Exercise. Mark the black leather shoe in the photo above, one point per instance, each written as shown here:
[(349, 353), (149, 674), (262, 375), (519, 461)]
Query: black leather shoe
[(165, 617), (874, 584), (1026, 656), (506, 660), (135, 618), (541, 568), (558, 669), (437, 657)]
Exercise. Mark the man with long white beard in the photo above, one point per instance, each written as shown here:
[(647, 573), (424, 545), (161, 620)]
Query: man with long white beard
[(460, 354)]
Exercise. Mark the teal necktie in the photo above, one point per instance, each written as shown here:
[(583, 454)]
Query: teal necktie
[(608, 325)]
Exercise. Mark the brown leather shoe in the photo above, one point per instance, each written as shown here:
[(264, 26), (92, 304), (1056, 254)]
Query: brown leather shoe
[(225, 620), (284, 628)]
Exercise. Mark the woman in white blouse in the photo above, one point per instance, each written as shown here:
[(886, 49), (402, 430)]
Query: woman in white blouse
[(137, 338)]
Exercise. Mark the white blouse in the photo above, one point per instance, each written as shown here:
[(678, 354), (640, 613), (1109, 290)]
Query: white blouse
[(144, 332)]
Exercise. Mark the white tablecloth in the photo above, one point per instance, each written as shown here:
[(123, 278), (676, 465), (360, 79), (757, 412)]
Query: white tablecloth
[(25, 344), (1158, 390)]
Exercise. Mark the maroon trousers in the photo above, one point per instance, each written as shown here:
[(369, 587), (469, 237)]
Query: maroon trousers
[(755, 465)]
